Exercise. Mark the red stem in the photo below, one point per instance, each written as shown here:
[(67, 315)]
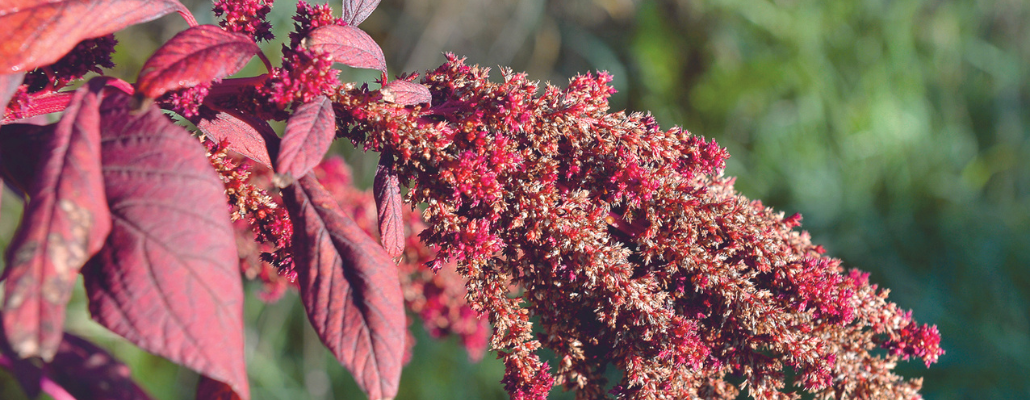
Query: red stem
[(45, 104)]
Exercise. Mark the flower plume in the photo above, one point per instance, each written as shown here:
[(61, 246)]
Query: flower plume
[(630, 248)]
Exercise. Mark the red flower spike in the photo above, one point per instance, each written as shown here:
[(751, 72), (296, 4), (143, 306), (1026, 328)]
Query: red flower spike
[(309, 133), (387, 191), (309, 17), (57, 26), (197, 55), (348, 45), (349, 288), (305, 75), (246, 17), (170, 222), (64, 224)]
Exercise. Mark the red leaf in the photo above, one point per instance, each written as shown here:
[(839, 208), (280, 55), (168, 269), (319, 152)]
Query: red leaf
[(406, 93), (350, 289), (348, 45), (88, 372), (309, 132), (387, 192), (39, 32), (197, 55), (243, 133), (167, 279), (8, 85), (355, 11), (65, 223)]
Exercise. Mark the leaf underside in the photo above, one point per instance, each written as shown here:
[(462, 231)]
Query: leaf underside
[(64, 224), (348, 45), (387, 192), (349, 287), (167, 279), (308, 135), (39, 32), (356, 11)]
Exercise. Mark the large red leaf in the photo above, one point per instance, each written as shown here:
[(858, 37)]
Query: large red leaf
[(348, 45), (244, 134), (39, 32), (8, 85), (65, 223), (308, 135), (88, 372), (350, 289), (167, 279), (197, 55), (387, 191), (406, 93), (355, 11)]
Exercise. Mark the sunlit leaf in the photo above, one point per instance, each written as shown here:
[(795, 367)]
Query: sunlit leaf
[(57, 26), (197, 55), (167, 279)]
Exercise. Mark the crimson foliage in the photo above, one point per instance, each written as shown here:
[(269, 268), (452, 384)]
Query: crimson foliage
[(624, 240)]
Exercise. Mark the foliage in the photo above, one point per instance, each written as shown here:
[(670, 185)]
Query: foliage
[(622, 240)]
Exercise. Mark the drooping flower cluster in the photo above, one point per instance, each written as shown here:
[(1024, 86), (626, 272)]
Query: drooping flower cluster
[(629, 247)]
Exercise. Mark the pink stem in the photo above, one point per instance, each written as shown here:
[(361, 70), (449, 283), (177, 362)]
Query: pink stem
[(264, 59), (188, 16), (45, 104)]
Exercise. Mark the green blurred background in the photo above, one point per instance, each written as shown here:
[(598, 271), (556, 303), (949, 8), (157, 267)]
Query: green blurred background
[(899, 129)]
